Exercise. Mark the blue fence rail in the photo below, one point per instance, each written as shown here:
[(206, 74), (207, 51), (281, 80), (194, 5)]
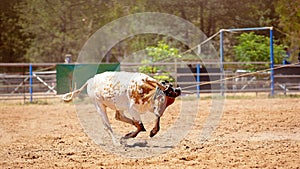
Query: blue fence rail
[(39, 80)]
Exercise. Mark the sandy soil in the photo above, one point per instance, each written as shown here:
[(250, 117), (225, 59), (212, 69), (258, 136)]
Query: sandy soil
[(252, 133)]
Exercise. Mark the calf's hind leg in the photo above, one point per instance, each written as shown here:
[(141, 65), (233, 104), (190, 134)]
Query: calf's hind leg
[(101, 109), (139, 125)]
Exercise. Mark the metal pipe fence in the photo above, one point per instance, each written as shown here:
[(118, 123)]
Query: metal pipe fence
[(16, 85), (34, 80)]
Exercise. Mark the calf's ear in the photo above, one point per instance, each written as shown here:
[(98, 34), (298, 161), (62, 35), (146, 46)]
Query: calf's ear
[(161, 86)]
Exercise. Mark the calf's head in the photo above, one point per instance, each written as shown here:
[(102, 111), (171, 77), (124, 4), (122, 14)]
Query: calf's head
[(165, 96)]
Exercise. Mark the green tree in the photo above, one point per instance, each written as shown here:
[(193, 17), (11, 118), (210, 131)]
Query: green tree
[(289, 13), (160, 53), (59, 27), (252, 47), (13, 43)]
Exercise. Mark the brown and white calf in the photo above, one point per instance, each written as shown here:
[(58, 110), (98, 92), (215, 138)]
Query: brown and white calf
[(135, 93)]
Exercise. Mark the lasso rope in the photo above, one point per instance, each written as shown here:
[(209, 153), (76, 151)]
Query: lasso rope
[(242, 75)]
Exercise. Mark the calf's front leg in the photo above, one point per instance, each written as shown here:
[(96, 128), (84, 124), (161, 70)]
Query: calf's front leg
[(155, 128)]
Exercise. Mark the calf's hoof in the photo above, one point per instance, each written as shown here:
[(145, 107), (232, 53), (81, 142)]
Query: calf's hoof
[(153, 133), (142, 127), (130, 135)]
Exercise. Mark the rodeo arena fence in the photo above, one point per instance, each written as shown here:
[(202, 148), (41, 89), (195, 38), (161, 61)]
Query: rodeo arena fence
[(48, 80)]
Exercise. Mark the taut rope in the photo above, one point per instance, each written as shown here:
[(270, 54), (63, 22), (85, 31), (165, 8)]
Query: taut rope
[(242, 75)]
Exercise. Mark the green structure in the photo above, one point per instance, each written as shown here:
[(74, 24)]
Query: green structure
[(65, 74)]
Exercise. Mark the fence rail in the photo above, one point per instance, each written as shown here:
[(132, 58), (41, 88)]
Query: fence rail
[(16, 85)]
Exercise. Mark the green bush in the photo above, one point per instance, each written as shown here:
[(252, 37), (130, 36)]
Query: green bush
[(160, 53), (253, 48)]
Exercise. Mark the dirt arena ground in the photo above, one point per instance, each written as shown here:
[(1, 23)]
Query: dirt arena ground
[(254, 132)]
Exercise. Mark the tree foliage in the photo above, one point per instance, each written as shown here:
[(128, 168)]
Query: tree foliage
[(45, 31), (252, 47), (289, 11), (13, 42), (58, 27), (159, 53)]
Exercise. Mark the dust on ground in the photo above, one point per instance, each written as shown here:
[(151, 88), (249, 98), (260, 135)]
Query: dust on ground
[(252, 133)]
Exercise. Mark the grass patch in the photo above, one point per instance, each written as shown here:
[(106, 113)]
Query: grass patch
[(38, 102), (287, 96)]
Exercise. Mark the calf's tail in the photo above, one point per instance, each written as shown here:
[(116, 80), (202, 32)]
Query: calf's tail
[(71, 95)]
